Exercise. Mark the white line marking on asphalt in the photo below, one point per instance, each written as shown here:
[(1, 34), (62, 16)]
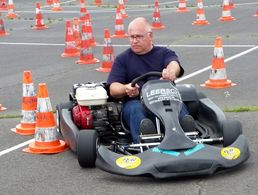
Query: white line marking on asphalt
[(101, 45), (37, 44), (16, 147), (209, 67)]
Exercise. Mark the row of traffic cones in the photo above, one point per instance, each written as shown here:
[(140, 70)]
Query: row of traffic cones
[(120, 14), (200, 13), (38, 119), (39, 22), (84, 50), (96, 2), (226, 13), (182, 7)]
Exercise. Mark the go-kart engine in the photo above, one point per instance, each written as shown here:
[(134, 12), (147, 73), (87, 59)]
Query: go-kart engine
[(97, 117), (92, 110), (90, 117)]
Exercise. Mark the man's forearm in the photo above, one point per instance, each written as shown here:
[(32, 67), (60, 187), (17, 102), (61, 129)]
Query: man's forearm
[(174, 66), (117, 90)]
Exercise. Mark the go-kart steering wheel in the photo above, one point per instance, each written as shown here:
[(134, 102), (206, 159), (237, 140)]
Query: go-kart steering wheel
[(145, 76)]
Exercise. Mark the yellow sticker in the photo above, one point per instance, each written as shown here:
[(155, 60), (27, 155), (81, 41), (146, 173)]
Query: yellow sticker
[(230, 153), (128, 162)]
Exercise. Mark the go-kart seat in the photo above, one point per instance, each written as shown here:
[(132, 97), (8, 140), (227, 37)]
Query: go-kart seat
[(190, 98)]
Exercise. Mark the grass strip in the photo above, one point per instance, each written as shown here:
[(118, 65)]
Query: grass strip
[(242, 109)]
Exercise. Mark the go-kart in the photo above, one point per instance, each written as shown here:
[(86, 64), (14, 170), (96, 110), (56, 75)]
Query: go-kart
[(92, 126)]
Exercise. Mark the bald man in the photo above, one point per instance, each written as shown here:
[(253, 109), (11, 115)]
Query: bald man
[(142, 57)]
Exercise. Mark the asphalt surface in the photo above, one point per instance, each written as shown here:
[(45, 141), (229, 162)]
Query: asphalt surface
[(40, 52)]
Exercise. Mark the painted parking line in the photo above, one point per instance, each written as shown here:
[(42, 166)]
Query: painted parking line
[(8, 150)]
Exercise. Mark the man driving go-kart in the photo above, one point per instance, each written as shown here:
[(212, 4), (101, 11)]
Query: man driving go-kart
[(141, 58), (140, 123)]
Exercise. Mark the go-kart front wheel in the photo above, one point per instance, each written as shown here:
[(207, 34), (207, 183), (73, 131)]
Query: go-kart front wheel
[(231, 130), (87, 144)]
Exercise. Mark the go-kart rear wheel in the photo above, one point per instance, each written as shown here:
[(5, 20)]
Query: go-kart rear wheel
[(231, 129), (87, 144), (59, 107)]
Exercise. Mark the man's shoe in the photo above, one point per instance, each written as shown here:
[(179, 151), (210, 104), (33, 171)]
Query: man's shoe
[(188, 123), (147, 127)]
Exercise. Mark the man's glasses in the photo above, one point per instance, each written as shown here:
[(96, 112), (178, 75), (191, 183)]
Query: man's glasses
[(138, 37)]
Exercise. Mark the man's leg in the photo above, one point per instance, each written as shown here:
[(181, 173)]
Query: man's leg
[(133, 114), (183, 111)]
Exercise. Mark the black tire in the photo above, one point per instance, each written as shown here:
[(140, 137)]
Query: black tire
[(87, 144), (231, 130), (59, 107)]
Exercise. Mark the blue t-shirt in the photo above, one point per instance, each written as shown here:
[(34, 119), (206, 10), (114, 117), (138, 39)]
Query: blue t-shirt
[(129, 65)]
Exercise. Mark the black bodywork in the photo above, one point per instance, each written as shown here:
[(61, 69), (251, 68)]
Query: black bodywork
[(217, 143)]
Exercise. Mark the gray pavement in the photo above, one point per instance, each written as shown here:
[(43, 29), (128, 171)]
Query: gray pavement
[(39, 51)]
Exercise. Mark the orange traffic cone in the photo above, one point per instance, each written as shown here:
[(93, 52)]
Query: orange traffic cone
[(70, 45), (49, 2), (2, 29), (29, 105), (86, 54), (108, 53), (182, 6), (2, 108), (3, 5), (156, 21), (83, 11), (98, 2), (56, 6), (121, 7), (11, 14), (39, 22), (226, 12), (88, 30), (119, 26), (200, 15), (218, 76), (46, 135), (76, 32)]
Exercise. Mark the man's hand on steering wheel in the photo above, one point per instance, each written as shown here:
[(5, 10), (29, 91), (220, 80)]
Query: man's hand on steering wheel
[(132, 91), (168, 74)]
